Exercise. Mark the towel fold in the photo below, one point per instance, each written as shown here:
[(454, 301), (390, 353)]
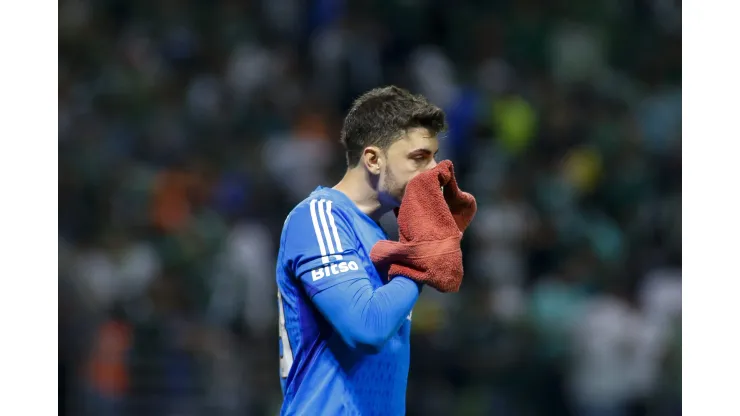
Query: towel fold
[(431, 220)]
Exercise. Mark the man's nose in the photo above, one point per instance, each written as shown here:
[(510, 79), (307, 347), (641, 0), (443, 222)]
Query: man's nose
[(432, 165)]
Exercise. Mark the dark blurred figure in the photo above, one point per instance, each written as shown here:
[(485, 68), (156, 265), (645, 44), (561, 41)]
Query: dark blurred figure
[(162, 358), (188, 130)]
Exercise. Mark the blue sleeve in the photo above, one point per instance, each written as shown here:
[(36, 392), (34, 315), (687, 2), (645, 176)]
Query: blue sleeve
[(364, 317), (322, 253), (321, 248)]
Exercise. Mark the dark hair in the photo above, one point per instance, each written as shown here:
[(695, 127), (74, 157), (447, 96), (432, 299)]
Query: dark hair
[(380, 116)]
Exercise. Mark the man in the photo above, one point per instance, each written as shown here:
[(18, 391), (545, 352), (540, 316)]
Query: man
[(344, 329)]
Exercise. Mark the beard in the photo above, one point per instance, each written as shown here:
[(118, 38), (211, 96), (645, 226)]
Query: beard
[(393, 187)]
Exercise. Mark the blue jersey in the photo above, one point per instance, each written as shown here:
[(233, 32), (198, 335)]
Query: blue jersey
[(344, 334)]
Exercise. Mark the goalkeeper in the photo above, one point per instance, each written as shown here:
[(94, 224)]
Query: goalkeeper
[(344, 325)]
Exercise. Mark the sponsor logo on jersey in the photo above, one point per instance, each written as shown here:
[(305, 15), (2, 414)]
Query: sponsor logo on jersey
[(335, 268)]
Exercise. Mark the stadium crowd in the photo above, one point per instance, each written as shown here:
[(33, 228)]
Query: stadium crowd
[(188, 130)]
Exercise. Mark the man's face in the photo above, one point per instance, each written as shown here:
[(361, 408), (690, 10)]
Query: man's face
[(409, 156)]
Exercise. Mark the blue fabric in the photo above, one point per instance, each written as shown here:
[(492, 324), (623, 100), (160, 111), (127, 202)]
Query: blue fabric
[(344, 336)]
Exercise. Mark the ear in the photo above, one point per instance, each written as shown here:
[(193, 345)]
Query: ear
[(372, 158)]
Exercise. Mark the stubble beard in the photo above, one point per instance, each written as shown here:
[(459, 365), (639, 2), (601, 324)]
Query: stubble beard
[(392, 187)]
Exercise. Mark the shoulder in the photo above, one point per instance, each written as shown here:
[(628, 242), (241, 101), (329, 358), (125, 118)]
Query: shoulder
[(323, 214), (320, 209)]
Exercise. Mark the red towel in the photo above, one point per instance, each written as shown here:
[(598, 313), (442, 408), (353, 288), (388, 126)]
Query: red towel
[(430, 224)]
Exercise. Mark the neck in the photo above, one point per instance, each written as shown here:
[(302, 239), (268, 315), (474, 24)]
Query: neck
[(358, 186)]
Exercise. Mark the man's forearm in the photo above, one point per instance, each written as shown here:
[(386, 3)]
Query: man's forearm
[(364, 317)]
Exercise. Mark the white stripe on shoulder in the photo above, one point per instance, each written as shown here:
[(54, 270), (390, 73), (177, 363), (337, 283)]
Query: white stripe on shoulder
[(317, 231), (325, 226), (333, 224)]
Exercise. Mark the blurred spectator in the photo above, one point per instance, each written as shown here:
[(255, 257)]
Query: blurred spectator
[(187, 132)]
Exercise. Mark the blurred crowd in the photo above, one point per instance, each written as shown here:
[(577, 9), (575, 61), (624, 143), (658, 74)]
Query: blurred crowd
[(189, 129)]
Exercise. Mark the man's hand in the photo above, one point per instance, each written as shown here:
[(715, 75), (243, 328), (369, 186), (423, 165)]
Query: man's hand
[(431, 220)]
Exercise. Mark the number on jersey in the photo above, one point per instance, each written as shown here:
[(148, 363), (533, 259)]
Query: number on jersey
[(286, 353)]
